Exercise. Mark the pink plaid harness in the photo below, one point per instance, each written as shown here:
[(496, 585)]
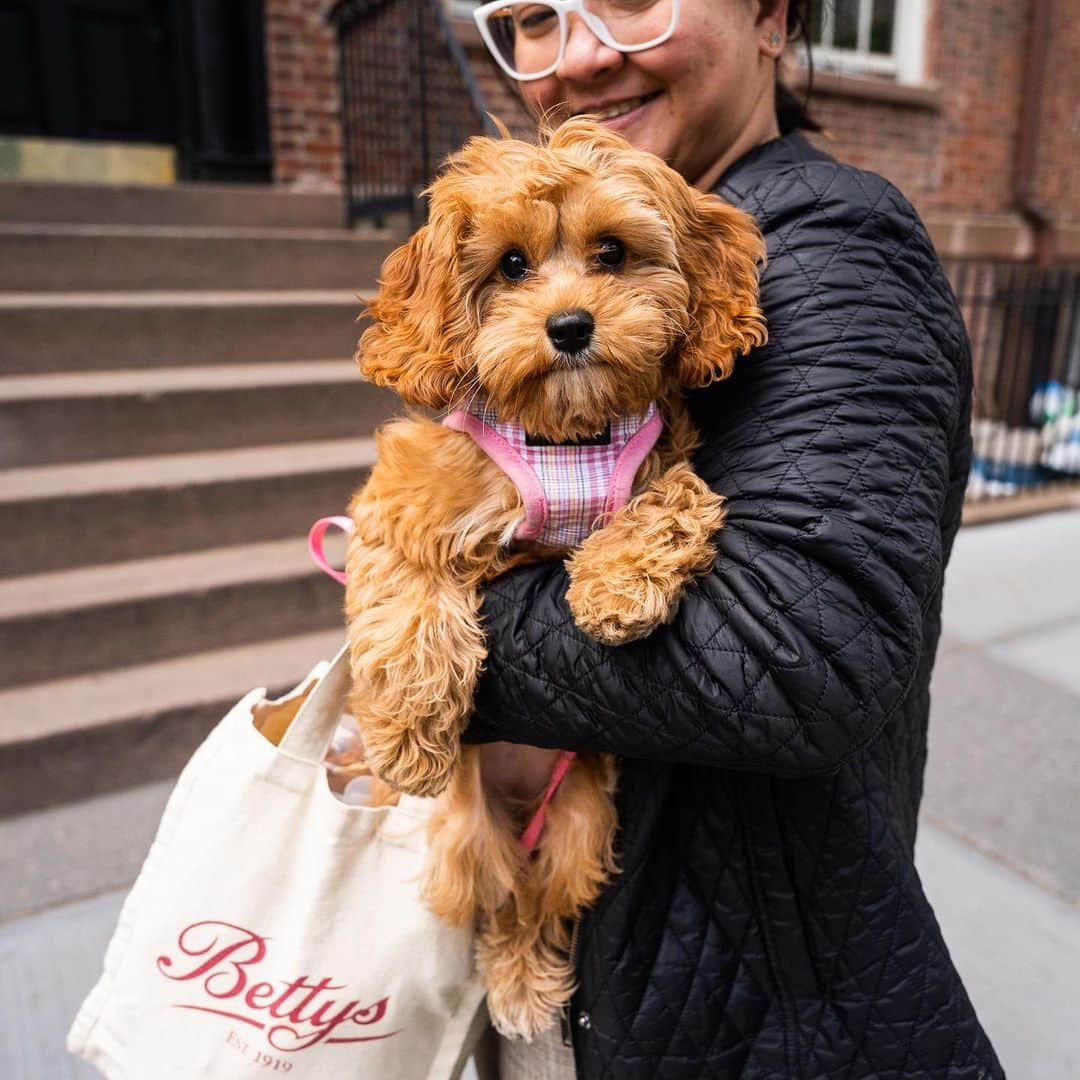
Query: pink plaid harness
[(567, 488)]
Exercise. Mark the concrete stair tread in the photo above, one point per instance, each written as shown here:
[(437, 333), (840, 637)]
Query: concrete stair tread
[(82, 329), (141, 579), (181, 203), (85, 702), (361, 234), (182, 298), (82, 258), (155, 381), (181, 470)]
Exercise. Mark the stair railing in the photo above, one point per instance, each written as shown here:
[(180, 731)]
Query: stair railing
[(408, 99)]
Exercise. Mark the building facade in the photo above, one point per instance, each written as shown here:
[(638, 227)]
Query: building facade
[(972, 109)]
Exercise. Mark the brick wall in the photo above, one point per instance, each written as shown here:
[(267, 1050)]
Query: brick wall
[(897, 139), (977, 55), (305, 108), (1057, 172)]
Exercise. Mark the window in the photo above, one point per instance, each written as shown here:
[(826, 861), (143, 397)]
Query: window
[(880, 37)]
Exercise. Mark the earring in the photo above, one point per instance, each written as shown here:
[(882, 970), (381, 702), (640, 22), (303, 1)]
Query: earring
[(774, 39)]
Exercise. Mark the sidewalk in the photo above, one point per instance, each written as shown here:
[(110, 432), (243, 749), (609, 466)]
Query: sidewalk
[(997, 848), (1005, 714)]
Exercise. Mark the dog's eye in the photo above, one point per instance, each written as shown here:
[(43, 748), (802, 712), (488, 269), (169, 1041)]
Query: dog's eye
[(514, 265), (610, 253)]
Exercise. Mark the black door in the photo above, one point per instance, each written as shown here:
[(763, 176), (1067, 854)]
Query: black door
[(224, 128), (184, 73), (87, 69)]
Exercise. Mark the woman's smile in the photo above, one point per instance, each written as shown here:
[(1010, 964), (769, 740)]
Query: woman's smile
[(621, 113)]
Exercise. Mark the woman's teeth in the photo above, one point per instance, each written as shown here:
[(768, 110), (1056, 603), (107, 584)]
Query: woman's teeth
[(623, 107)]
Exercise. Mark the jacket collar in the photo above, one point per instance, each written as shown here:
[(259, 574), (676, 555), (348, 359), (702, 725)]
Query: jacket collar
[(767, 157)]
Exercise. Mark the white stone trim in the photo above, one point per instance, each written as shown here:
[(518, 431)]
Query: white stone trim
[(909, 40)]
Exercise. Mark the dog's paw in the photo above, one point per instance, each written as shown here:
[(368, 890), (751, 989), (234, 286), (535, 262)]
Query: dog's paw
[(617, 607), (627, 578), (400, 760), (523, 1007), (521, 1013)]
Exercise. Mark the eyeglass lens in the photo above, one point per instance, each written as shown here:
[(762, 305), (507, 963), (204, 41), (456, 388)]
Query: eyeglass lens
[(527, 34)]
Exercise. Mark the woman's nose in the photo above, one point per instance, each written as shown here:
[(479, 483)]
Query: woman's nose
[(586, 56)]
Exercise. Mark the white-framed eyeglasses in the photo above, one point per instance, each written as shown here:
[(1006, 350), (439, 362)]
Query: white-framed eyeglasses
[(527, 38)]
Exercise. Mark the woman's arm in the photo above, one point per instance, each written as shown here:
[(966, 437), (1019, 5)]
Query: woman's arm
[(837, 444)]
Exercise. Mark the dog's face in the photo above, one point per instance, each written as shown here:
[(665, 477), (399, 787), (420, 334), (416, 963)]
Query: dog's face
[(567, 283)]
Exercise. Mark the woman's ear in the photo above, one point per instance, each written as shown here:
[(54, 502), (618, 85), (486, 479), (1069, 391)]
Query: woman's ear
[(771, 23), (720, 252), (415, 342)]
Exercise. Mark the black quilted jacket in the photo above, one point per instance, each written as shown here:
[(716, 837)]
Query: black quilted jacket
[(768, 920)]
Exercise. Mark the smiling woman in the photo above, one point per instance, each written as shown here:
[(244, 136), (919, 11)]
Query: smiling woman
[(766, 919), (655, 70)]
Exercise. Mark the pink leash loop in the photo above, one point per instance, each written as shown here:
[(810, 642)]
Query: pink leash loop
[(315, 543), (531, 836)]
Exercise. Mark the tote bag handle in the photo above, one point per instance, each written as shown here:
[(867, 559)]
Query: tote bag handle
[(308, 736)]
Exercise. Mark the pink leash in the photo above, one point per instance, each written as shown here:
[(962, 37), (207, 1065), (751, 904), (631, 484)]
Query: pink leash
[(531, 836), (315, 543)]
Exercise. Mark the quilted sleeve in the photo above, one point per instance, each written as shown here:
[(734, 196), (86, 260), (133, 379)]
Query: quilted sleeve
[(833, 445)]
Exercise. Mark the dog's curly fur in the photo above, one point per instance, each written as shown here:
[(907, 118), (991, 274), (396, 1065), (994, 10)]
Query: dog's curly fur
[(435, 519)]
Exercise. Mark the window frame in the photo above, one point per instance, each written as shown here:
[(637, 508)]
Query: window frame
[(905, 64)]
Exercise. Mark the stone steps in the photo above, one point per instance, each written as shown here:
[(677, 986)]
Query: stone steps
[(230, 205), (177, 407), (76, 622), (63, 739), (107, 330), (64, 258), (61, 516), (91, 416)]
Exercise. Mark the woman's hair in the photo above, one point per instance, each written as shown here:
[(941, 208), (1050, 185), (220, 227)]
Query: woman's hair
[(791, 113)]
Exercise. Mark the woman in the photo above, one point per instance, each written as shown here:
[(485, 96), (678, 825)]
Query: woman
[(768, 920)]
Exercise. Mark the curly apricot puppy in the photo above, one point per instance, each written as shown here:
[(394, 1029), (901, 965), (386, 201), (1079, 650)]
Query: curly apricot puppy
[(556, 292)]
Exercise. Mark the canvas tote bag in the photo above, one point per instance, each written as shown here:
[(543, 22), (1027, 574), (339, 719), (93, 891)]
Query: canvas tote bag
[(276, 930)]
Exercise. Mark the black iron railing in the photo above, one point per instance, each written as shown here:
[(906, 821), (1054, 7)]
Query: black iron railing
[(1024, 325), (408, 99)]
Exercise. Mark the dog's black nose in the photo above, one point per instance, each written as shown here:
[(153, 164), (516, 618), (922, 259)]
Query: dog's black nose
[(570, 331)]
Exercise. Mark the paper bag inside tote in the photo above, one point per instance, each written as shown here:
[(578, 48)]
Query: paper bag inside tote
[(275, 929)]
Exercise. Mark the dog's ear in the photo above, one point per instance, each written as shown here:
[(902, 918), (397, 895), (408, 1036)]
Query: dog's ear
[(720, 252), (415, 342)]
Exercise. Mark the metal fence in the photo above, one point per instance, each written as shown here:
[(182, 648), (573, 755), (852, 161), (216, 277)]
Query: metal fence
[(1024, 324), (408, 99)]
